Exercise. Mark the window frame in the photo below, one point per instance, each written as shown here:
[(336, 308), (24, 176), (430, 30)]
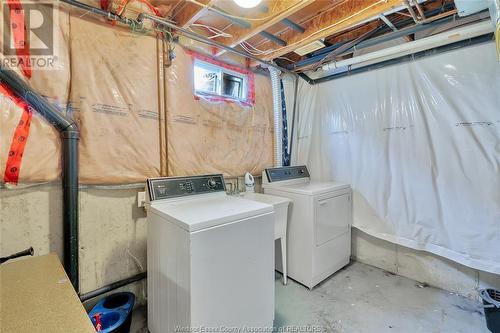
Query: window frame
[(221, 70)]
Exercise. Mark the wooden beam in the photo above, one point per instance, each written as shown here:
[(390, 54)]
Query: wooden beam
[(192, 12), (279, 10), (339, 18), (353, 33)]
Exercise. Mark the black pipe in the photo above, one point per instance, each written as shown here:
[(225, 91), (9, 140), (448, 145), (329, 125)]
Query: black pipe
[(112, 286), (70, 136), (27, 252)]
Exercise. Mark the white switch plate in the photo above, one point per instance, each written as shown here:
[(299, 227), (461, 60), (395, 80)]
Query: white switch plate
[(141, 199)]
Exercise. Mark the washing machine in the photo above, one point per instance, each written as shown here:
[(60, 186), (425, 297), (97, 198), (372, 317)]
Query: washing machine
[(319, 223), (210, 257)]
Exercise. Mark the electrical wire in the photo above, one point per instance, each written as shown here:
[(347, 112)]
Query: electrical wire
[(332, 25), (248, 45), (305, 21), (253, 50), (215, 31), (241, 17), (285, 58), (124, 3), (323, 29), (250, 51)]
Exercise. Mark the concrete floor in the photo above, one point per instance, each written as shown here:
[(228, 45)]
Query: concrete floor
[(362, 298)]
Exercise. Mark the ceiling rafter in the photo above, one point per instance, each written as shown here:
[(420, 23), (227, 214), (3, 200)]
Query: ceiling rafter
[(192, 12), (278, 10), (341, 17), (305, 16)]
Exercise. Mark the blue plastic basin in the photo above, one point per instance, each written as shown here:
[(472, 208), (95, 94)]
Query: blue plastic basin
[(115, 312)]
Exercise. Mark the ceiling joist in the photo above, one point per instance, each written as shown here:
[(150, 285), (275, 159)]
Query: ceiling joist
[(341, 17), (278, 10), (192, 12)]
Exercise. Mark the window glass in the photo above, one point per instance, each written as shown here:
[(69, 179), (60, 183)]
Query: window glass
[(206, 79), (216, 80), (232, 86)]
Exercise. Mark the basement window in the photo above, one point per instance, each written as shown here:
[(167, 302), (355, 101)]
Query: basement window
[(214, 80)]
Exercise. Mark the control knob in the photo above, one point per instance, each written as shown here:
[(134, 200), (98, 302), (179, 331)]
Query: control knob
[(212, 183)]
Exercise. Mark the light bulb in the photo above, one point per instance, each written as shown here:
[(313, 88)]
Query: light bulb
[(247, 3)]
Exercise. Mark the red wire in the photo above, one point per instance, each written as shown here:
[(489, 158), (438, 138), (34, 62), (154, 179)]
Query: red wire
[(124, 3)]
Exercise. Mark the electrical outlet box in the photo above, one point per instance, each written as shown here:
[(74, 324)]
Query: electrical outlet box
[(141, 199)]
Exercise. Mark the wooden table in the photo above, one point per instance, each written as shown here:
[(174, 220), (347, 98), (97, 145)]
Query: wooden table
[(37, 296)]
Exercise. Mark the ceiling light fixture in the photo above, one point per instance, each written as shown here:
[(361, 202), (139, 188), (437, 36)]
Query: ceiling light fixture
[(247, 3)]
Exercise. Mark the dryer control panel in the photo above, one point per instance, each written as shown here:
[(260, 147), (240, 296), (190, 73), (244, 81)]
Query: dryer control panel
[(286, 173), (172, 187)]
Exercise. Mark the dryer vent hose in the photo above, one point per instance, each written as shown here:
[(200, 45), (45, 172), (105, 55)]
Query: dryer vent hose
[(278, 119)]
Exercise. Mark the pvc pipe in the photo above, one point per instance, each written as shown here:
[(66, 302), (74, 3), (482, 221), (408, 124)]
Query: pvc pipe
[(278, 117), (444, 38)]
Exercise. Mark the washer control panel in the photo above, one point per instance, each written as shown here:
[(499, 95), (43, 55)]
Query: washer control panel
[(286, 173), (172, 187)]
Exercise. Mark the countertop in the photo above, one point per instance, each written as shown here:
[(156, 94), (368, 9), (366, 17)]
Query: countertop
[(37, 296)]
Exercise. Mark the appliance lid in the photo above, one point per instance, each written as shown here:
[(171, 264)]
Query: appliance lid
[(310, 188), (266, 198), (205, 211)]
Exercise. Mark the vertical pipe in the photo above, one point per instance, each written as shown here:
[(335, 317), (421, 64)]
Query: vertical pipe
[(69, 136), (70, 139), (278, 119), (295, 97)]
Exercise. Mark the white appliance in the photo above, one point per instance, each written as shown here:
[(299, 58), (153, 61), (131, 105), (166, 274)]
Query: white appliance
[(280, 205), (210, 257), (319, 223)]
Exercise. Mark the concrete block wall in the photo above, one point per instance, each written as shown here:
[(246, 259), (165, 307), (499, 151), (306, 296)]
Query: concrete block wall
[(421, 266)]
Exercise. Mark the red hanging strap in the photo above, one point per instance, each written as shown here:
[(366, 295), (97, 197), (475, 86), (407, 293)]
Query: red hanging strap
[(19, 35), (14, 160)]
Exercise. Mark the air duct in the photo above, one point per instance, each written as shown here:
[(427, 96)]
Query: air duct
[(278, 117)]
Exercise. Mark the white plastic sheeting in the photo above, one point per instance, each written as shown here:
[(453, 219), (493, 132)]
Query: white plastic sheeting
[(420, 144)]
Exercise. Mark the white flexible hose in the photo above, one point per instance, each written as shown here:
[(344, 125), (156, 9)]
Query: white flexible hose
[(278, 117)]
